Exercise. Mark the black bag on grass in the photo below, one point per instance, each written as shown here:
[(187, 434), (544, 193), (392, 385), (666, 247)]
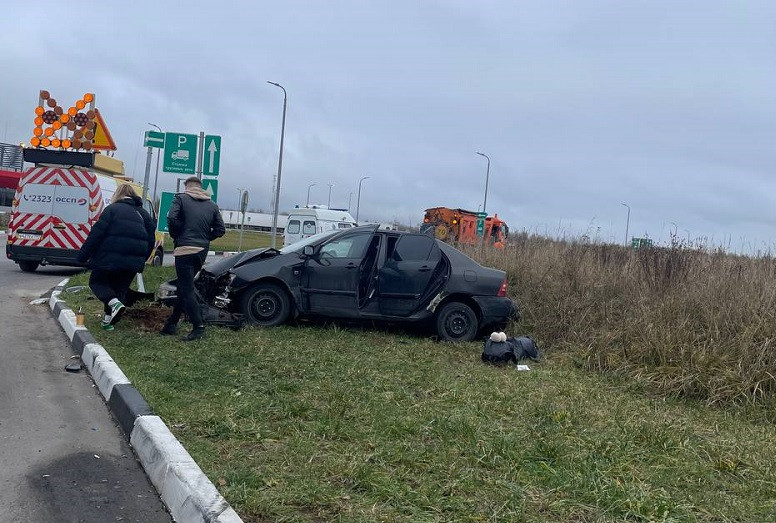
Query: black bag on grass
[(498, 352), (525, 347), (510, 351)]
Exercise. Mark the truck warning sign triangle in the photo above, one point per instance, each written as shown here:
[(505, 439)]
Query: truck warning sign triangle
[(102, 138)]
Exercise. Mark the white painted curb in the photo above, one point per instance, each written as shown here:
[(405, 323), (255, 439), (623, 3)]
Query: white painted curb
[(105, 372), (188, 494)]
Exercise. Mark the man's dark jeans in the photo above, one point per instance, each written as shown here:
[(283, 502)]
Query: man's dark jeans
[(186, 267)]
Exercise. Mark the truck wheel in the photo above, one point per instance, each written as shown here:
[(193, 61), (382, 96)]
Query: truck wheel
[(456, 321), (266, 305), (28, 266)]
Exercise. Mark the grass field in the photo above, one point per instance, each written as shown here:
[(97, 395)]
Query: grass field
[(321, 423), (231, 241)]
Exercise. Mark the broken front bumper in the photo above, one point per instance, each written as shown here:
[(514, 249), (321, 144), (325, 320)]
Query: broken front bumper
[(167, 294)]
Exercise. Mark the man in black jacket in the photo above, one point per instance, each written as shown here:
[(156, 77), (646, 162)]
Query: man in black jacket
[(193, 220), (117, 248)]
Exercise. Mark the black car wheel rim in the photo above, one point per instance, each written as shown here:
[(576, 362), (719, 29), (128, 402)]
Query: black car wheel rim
[(265, 306), (457, 324)]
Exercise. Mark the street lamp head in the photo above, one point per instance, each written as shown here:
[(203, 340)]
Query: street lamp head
[(273, 83)]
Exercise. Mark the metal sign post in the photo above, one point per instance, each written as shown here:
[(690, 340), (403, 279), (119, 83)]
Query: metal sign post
[(200, 154), (243, 208), (147, 173)]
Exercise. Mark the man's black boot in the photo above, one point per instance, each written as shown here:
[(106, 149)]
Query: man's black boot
[(197, 333), (169, 329)]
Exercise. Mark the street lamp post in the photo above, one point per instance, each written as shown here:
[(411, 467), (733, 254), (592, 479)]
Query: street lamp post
[(350, 198), (308, 194), (239, 197), (487, 175), (358, 201), (328, 205), (627, 223), (280, 167), (158, 155)]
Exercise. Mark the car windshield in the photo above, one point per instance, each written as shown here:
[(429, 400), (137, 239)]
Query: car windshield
[(315, 238)]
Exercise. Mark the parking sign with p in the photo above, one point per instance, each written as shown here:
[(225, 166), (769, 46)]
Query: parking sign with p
[(180, 153)]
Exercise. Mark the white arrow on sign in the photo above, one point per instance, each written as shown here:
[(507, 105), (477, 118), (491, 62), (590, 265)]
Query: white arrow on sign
[(212, 150)]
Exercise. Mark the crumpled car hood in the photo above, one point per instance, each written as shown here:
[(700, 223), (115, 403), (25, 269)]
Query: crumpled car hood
[(223, 265)]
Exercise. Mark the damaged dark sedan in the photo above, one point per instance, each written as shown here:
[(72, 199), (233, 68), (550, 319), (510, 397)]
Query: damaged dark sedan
[(363, 273)]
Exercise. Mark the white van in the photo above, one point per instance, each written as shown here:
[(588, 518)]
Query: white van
[(54, 209), (306, 221)]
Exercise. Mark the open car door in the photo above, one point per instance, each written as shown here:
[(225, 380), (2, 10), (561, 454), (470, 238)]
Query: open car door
[(332, 275), (407, 274)]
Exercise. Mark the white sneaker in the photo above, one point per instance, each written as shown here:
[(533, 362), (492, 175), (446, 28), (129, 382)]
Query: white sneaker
[(117, 311)]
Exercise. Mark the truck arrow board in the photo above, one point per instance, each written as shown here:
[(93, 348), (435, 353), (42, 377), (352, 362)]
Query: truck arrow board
[(212, 155)]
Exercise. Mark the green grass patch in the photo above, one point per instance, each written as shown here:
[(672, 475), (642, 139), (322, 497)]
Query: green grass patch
[(231, 241), (311, 423)]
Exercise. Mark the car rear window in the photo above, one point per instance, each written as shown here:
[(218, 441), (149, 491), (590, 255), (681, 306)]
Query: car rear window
[(308, 227), (413, 247), (293, 227)]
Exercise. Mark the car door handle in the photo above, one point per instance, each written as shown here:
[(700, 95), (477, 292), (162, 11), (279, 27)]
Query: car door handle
[(424, 268), (351, 266)]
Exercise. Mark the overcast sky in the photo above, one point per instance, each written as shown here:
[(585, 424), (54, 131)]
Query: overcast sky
[(581, 105)]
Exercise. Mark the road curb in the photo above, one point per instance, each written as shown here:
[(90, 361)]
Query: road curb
[(188, 494)]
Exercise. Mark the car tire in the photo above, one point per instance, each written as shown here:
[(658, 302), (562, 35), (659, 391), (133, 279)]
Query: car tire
[(28, 266), (266, 305), (456, 321), (158, 258)]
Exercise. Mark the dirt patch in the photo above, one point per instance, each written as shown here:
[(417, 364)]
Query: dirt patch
[(148, 318)]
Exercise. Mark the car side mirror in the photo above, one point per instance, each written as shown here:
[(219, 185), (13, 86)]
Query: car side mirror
[(308, 250)]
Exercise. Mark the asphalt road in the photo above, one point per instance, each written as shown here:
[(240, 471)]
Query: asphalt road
[(62, 456)]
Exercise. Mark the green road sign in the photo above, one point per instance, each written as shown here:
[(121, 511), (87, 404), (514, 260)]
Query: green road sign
[(640, 243), (180, 153), (154, 139), (481, 223), (164, 207), (210, 186), (212, 160)]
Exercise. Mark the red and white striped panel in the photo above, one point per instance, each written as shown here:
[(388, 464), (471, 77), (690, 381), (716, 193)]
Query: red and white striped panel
[(65, 235)]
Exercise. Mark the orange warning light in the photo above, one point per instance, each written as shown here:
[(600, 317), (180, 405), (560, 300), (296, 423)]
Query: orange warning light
[(57, 125), (39, 110), (48, 131), (64, 118), (45, 142), (80, 104), (55, 142), (37, 131), (66, 144), (88, 97), (72, 111), (35, 141), (38, 121)]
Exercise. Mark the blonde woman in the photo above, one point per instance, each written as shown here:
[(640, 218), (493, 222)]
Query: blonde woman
[(116, 249)]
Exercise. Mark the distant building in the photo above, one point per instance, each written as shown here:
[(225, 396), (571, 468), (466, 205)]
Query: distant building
[(254, 221)]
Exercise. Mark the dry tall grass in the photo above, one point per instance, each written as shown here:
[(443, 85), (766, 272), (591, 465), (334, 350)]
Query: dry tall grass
[(688, 323)]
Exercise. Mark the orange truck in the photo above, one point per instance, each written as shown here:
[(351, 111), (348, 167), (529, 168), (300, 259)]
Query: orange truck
[(460, 226)]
